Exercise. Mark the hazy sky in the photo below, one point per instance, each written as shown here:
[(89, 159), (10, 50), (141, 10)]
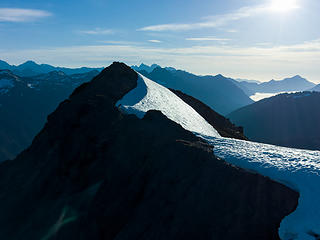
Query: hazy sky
[(253, 39)]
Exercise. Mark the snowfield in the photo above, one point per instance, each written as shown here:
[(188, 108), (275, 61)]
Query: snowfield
[(149, 95), (295, 168)]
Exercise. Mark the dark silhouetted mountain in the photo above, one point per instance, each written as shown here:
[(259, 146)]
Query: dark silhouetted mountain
[(30, 68), (26, 102), (96, 173), (219, 122), (296, 83), (290, 120), (218, 92)]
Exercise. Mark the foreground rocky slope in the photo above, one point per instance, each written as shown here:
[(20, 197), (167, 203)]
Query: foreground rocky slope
[(96, 173)]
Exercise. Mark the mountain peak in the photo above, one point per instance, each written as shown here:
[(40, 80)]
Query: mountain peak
[(112, 82), (220, 76), (297, 76), (29, 63), (144, 67), (4, 65)]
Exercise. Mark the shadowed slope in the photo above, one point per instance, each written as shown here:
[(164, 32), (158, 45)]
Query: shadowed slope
[(290, 120)]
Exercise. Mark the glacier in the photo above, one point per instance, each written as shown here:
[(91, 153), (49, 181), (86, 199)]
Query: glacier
[(295, 168)]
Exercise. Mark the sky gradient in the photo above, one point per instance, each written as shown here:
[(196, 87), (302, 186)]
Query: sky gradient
[(252, 39)]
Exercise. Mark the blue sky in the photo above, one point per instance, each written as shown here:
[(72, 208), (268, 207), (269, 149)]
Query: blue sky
[(253, 39)]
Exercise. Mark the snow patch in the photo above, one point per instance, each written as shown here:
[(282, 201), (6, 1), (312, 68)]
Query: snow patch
[(295, 168), (30, 85), (149, 95)]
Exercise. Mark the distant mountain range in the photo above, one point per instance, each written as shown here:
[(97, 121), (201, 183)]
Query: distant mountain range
[(290, 120), (218, 92), (25, 103), (30, 68), (246, 80), (144, 67), (149, 69), (296, 83)]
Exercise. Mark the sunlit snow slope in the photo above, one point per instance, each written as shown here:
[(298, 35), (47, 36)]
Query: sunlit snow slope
[(149, 95), (298, 169)]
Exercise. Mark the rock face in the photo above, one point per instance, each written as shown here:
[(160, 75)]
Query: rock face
[(219, 122), (289, 120), (96, 173)]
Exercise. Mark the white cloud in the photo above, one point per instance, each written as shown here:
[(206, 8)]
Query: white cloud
[(117, 42), (21, 15), (208, 39), (231, 30), (211, 21), (154, 41), (97, 31)]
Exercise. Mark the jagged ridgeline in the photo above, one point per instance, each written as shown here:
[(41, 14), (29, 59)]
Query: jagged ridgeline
[(94, 172)]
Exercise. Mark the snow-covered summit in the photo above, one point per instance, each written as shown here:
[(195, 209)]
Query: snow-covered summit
[(149, 95)]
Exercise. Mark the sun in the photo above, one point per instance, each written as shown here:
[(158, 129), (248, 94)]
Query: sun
[(283, 5)]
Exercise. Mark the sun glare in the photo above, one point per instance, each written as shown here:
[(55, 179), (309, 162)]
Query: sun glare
[(283, 5)]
